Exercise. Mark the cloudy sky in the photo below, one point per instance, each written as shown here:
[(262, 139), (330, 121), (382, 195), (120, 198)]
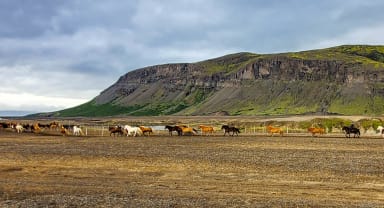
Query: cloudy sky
[(56, 54)]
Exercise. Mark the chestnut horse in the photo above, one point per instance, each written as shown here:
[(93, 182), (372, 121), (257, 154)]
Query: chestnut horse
[(274, 130), (187, 130), (206, 129), (315, 130), (145, 129)]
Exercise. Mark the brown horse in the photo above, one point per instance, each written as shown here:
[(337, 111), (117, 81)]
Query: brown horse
[(145, 129), (206, 129), (314, 131), (64, 131), (116, 130), (274, 130), (187, 130), (174, 128)]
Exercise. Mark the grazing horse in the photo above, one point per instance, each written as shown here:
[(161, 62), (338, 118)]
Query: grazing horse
[(272, 130), (206, 129), (145, 129), (228, 129), (174, 128), (77, 131), (314, 130), (351, 129), (134, 131), (19, 128), (115, 130)]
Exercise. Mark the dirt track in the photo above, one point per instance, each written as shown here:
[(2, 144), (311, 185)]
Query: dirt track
[(52, 171)]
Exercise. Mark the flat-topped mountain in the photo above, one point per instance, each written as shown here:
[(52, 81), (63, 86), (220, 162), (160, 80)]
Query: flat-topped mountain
[(346, 80)]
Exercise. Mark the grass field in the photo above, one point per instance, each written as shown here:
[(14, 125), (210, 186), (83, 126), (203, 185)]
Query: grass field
[(190, 171)]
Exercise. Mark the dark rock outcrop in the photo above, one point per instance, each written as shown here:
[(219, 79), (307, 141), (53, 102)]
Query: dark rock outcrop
[(250, 84)]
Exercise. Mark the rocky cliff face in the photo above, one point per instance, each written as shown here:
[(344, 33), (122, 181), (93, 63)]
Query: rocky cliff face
[(292, 83)]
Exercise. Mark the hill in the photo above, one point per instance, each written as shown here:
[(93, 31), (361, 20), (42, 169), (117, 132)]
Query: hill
[(343, 80)]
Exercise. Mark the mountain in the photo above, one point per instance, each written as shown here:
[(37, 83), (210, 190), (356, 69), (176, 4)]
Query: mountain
[(15, 113), (346, 80)]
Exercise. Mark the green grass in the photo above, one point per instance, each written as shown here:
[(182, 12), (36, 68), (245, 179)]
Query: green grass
[(228, 64), (90, 109), (363, 54)]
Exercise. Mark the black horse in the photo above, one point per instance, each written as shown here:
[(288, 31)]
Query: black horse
[(351, 129), (232, 129), (174, 128)]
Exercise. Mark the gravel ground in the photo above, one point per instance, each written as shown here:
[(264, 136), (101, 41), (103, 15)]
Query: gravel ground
[(190, 171)]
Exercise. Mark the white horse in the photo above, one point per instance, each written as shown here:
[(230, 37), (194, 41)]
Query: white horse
[(380, 130), (19, 128), (134, 131), (77, 131)]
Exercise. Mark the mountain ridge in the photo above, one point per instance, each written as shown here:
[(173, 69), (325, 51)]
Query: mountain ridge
[(346, 80)]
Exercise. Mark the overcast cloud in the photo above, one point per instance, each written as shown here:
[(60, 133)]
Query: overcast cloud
[(56, 54)]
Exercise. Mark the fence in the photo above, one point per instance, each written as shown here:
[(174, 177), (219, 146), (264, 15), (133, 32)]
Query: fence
[(103, 130)]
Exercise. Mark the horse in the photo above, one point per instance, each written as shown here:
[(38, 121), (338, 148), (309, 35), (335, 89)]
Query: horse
[(187, 130), (35, 128), (64, 131), (115, 129), (54, 125), (314, 130), (145, 129), (19, 128), (228, 129), (380, 129), (348, 130), (174, 128), (206, 129), (77, 131), (272, 130), (134, 131)]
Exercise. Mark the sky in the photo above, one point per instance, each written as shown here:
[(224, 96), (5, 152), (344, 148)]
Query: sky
[(56, 54)]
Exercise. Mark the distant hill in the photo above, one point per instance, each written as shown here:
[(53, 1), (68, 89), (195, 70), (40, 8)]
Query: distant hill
[(15, 113), (345, 80)]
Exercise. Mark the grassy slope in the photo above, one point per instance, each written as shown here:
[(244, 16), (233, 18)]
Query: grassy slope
[(288, 103)]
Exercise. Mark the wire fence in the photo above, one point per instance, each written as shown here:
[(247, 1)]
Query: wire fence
[(159, 130)]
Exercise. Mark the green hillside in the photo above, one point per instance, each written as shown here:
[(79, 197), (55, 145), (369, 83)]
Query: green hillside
[(344, 80)]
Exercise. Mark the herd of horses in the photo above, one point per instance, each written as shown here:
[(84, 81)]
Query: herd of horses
[(179, 129), (38, 127)]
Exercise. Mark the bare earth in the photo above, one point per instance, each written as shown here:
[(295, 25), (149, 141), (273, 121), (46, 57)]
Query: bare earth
[(190, 171)]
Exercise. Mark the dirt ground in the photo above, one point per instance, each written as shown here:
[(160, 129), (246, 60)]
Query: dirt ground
[(190, 171)]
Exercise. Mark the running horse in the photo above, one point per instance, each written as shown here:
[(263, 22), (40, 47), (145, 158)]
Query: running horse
[(77, 131), (380, 129), (174, 128), (116, 130), (132, 130), (206, 129), (146, 129), (64, 131), (314, 130), (351, 129), (274, 130), (187, 130), (228, 129)]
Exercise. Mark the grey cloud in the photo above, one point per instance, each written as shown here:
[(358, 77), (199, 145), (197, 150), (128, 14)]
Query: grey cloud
[(93, 42)]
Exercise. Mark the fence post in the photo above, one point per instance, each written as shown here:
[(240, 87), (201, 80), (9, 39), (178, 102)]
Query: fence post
[(102, 130)]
